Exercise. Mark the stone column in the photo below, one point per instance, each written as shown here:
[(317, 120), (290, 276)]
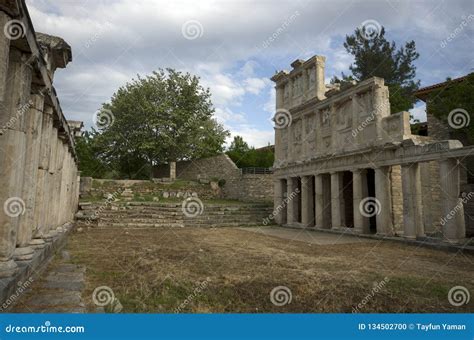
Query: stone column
[(454, 227), (307, 201), (319, 201), (336, 198), (33, 141), (43, 179), (4, 52), (56, 208), (360, 191), (382, 194), (172, 171), (278, 201), (63, 179), (290, 208), (412, 201), (49, 231), (12, 156)]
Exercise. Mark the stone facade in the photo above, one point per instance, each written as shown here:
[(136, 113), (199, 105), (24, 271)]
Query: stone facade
[(344, 162), (38, 163)]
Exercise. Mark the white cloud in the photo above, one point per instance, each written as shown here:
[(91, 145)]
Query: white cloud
[(256, 85), (254, 137), (112, 41), (419, 112)]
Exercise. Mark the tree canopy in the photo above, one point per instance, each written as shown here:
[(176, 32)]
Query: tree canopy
[(245, 156), (377, 57), (164, 117), (455, 98)]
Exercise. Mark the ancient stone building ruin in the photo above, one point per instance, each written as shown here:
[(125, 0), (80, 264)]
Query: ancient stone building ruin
[(38, 164), (344, 162)]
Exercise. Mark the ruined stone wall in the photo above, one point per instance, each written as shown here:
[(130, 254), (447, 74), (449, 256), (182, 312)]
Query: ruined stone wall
[(250, 188), (217, 167), (246, 187), (436, 128), (147, 190)]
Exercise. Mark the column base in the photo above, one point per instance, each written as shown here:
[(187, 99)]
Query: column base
[(455, 240), (382, 234), (50, 235), (23, 253), (8, 268), (37, 243)]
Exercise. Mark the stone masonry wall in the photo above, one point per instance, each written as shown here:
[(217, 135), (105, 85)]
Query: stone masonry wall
[(246, 187), (220, 166), (130, 188), (250, 187), (436, 128)]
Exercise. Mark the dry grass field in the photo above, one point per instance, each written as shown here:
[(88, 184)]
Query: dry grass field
[(234, 270)]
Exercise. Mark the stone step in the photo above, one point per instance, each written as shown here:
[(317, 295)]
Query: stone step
[(175, 225), (166, 218), (171, 210)]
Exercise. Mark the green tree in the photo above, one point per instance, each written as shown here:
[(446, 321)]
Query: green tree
[(380, 58), (161, 118), (87, 149), (455, 97), (244, 156)]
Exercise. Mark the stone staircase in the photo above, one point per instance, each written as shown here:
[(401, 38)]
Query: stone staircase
[(155, 214)]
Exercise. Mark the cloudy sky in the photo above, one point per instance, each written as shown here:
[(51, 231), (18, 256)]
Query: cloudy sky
[(227, 44)]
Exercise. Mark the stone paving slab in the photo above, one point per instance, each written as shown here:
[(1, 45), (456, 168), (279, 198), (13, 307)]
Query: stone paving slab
[(307, 236), (55, 309), (60, 290), (56, 298)]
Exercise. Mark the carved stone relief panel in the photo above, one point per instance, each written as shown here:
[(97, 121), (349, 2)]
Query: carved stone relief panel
[(364, 105), (310, 134), (344, 115), (325, 117)]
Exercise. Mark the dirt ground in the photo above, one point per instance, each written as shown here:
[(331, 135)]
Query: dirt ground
[(235, 270)]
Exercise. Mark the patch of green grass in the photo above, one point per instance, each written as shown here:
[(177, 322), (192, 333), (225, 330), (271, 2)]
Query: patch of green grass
[(402, 285)]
